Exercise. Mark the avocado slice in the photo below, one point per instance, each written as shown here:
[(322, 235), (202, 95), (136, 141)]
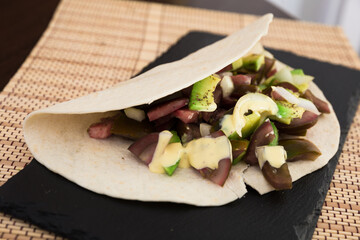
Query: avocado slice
[(238, 149), (253, 62), (171, 169), (202, 97), (252, 121), (299, 72), (175, 137), (275, 141), (237, 64)]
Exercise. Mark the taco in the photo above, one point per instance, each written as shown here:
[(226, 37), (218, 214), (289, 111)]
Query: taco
[(65, 137)]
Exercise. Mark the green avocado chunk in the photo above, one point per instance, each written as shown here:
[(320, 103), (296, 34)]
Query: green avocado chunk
[(202, 97), (253, 62), (299, 72), (238, 149), (275, 141), (175, 137), (171, 169), (252, 122), (237, 64)]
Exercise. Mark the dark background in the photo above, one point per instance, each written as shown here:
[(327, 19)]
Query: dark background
[(22, 23)]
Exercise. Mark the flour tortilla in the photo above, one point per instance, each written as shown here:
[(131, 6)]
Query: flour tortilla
[(57, 136)]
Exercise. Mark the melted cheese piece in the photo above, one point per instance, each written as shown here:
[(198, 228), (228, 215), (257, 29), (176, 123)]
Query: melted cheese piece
[(156, 163), (207, 152), (199, 153), (172, 154), (275, 155), (184, 161)]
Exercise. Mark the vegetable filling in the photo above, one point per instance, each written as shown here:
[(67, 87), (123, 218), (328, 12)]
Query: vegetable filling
[(238, 114)]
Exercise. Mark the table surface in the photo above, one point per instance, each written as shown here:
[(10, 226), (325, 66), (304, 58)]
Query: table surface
[(22, 33), (140, 43)]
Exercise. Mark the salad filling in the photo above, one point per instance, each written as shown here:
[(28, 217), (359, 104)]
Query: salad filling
[(235, 115)]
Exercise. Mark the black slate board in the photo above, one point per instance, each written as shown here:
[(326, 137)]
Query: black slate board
[(51, 202)]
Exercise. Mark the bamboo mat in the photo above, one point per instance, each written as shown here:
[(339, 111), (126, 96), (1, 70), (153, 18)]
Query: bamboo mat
[(93, 44)]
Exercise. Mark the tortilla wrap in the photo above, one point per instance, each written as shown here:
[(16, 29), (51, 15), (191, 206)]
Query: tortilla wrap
[(57, 136)]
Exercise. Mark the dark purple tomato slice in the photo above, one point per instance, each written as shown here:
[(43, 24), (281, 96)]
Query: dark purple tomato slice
[(288, 85), (276, 96), (166, 108), (187, 91), (217, 134), (226, 69), (300, 149), (279, 178), (186, 115), (144, 148), (162, 120), (219, 175), (271, 73), (321, 105), (273, 94), (166, 126), (269, 63), (212, 117), (241, 79), (228, 102), (187, 131), (241, 90), (262, 136), (100, 130), (307, 120), (147, 155), (217, 94)]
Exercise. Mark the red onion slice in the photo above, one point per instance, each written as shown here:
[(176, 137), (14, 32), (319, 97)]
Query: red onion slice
[(301, 102), (308, 105)]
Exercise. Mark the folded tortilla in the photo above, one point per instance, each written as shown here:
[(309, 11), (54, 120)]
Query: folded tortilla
[(57, 136)]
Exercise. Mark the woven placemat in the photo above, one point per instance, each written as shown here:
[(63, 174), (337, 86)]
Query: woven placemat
[(92, 44)]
